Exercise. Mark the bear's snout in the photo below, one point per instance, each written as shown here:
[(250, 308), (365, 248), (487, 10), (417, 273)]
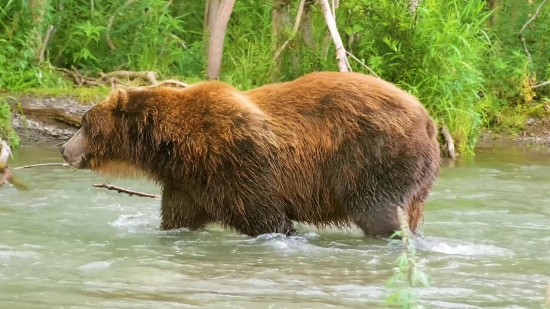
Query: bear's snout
[(73, 151)]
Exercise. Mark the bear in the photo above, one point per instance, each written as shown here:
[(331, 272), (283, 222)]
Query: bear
[(328, 149)]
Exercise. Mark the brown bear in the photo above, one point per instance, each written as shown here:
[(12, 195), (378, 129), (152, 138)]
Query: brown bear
[(327, 149)]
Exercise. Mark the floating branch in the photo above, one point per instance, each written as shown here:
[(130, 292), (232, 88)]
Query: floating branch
[(129, 192), (42, 164)]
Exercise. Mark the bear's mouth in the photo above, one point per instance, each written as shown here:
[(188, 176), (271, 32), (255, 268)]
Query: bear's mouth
[(83, 162)]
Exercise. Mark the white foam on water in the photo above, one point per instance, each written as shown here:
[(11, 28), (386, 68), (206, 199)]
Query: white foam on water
[(470, 249), (446, 304), (95, 265), (133, 222), (9, 254)]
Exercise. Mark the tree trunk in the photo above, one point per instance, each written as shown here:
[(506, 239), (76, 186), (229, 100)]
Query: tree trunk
[(287, 23), (210, 10), (37, 9), (307, 33), (341, 55), (278, 11), (492, 5), (217, 37)]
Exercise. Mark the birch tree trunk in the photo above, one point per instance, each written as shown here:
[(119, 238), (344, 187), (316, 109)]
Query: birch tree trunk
[(341, 56)]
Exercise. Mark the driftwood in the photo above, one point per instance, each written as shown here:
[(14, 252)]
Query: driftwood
[(4, 156), (56, 114), (450, 146), (114, 79), (7, 175)]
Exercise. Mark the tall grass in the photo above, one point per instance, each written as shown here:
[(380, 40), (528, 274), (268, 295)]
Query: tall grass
[(436, 55)]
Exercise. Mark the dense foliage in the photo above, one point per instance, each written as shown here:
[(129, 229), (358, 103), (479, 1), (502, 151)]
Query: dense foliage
[(465, 64)]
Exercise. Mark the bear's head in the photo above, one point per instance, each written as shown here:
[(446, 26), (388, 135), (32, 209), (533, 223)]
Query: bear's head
[(111, 135), (164, 133)]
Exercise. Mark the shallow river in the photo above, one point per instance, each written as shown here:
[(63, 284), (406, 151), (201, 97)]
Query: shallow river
[(66, 244)]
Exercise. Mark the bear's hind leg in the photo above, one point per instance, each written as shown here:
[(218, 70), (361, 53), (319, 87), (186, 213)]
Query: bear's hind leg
[(178, 210)]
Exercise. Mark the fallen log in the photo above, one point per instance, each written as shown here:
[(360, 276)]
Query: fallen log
[(56, 114)]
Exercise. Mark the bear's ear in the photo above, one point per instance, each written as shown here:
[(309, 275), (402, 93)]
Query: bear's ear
[(118, 99)]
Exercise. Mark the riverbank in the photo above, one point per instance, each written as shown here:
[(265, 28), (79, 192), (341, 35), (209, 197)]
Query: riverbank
[(43, 129)]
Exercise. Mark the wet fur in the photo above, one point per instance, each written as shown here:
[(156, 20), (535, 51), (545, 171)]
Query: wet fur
[(328, 149)]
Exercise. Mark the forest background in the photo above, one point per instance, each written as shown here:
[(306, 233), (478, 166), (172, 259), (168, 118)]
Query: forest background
[(476, 65)]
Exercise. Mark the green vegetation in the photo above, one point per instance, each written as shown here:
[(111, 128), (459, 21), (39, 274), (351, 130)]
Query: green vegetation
[(6, 131), (461, 58), (408, 275)]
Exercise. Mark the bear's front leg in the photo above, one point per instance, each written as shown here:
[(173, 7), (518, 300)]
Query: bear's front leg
[(178, 210)]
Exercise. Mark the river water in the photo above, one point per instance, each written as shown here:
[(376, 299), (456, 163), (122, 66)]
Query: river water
[(66, 244)]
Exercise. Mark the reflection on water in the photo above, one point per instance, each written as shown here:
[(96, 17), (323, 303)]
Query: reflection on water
[(68, 244)]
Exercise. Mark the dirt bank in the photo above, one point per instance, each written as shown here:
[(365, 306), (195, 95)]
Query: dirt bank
[(45, 130), (41, 128)]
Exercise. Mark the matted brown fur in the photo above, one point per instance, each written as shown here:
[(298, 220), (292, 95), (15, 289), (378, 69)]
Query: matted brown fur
[(328, 149)]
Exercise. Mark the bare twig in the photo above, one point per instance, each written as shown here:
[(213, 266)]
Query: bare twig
[(182, 43), (9, 177), (521, 37), (45, 43), (361, 62), (129, 192), (449, 141), (41, 164), (294, 31), (541, 84)]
